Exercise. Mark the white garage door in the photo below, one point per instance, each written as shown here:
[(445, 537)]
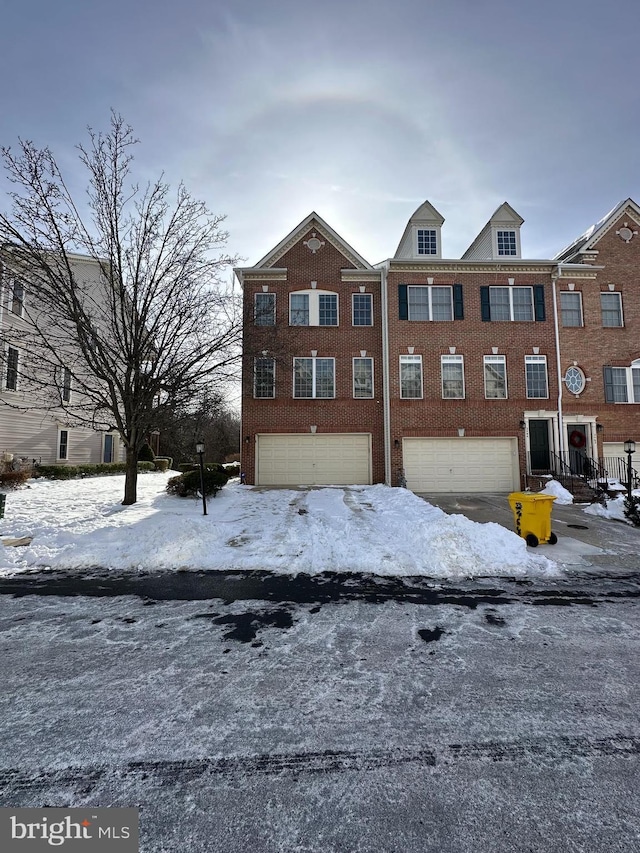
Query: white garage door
[(461, 464), (615, 459), (313, 460)]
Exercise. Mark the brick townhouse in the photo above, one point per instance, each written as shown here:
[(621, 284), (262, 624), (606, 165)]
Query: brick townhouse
[(445, 374)]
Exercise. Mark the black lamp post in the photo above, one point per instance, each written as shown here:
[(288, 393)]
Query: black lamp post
[(200, 452), (629, 448)]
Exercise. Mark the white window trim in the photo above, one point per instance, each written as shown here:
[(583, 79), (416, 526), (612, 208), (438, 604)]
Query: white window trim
[(5, 386), (511, 288), (314, 306), (434, 228), (255, 371), (411, 359), (429, 288), (574, 367), (577, 293), (360, 326), (64, 372), (313, 359), (619, 295), (353, 375), (630, 401), (451, 359), (60, 458), (495, 359), (535, 359), (494, 239), (255, 308), (12, 282)]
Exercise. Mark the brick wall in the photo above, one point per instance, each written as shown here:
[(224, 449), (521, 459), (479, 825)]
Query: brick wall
[(473, 338), (284, 414)]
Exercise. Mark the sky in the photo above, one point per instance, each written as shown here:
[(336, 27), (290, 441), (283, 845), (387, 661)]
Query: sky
[(357, 110)]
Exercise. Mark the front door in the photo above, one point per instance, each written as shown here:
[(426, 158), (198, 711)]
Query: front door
[(577, 443), (539, 445)]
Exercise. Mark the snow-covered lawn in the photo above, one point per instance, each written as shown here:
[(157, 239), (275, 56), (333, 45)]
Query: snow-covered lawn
[(385, 531)]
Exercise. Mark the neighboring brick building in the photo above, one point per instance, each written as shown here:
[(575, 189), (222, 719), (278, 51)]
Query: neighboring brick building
[(440, 373)]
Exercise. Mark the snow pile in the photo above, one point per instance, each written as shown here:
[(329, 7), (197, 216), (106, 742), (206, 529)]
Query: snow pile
[(385, 531), (562, 496)]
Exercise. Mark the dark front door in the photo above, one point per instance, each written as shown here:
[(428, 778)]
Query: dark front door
[(539, 445), (577, 435)]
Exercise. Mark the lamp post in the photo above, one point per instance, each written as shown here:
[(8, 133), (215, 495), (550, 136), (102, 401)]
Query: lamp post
[(629, 448), (200, 452)]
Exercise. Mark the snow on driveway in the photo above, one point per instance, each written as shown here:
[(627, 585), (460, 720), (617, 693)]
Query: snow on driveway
[(376, 529)]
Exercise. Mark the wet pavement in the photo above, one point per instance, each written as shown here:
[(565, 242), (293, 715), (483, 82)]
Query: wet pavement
[(585, 542)]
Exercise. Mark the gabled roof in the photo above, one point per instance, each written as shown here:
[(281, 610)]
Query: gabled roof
[(586, 242), (504, 216), (318, 224), (426, 215)]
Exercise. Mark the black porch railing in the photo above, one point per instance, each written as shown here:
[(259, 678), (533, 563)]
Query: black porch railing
[(571, 466)]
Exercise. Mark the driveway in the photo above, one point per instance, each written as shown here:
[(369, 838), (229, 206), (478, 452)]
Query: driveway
[(585, 542)]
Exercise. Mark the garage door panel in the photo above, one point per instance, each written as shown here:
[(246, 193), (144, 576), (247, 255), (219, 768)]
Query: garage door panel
[(461, 465), (310, 460)]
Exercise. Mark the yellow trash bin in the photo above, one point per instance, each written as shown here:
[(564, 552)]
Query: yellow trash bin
[(532, 515)]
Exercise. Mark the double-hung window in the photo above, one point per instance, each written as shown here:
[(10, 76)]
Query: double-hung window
[(63, 444), (495, 377), (265, 309), (611, 304), (430, 303), (536, 376), (17, 297), (427, 241), (11, 375), (452, 370), (313, 308), (506, 242), (622, 384), (571, 308), (411, 377), (363, 378), (511, 303), (264, 372), (362, 309), (314, 378), (65, 385)]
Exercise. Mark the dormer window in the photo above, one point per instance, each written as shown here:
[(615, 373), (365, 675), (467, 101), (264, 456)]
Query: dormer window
[(507, 244), (427, 241)]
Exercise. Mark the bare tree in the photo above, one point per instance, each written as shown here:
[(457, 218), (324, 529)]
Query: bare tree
[(128, 304)]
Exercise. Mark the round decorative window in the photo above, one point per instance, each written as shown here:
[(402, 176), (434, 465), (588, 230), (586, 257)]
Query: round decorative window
[(575, 380)]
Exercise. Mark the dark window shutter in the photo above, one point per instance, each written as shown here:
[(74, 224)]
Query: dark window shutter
[(485, 307), (458, 304), (403, 302), (538, 301), (608, 385)]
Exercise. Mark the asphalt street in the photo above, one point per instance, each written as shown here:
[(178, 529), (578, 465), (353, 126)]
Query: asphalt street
[(245, 712), (369, 716)]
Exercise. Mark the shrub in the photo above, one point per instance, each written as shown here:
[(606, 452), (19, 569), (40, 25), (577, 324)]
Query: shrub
[(188, 484), (12, 479), (146, 454), (168, 459), (232, 470), (632, 509), (68, 472), (161, 464)]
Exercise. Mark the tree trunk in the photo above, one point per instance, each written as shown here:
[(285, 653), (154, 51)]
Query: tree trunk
[(131, 478)]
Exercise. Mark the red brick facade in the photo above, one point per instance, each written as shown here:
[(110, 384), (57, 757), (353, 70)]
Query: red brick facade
[(607, 262)]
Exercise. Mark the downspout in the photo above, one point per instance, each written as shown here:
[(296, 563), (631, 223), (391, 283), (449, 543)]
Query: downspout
[(386, 412), (554, 279)]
